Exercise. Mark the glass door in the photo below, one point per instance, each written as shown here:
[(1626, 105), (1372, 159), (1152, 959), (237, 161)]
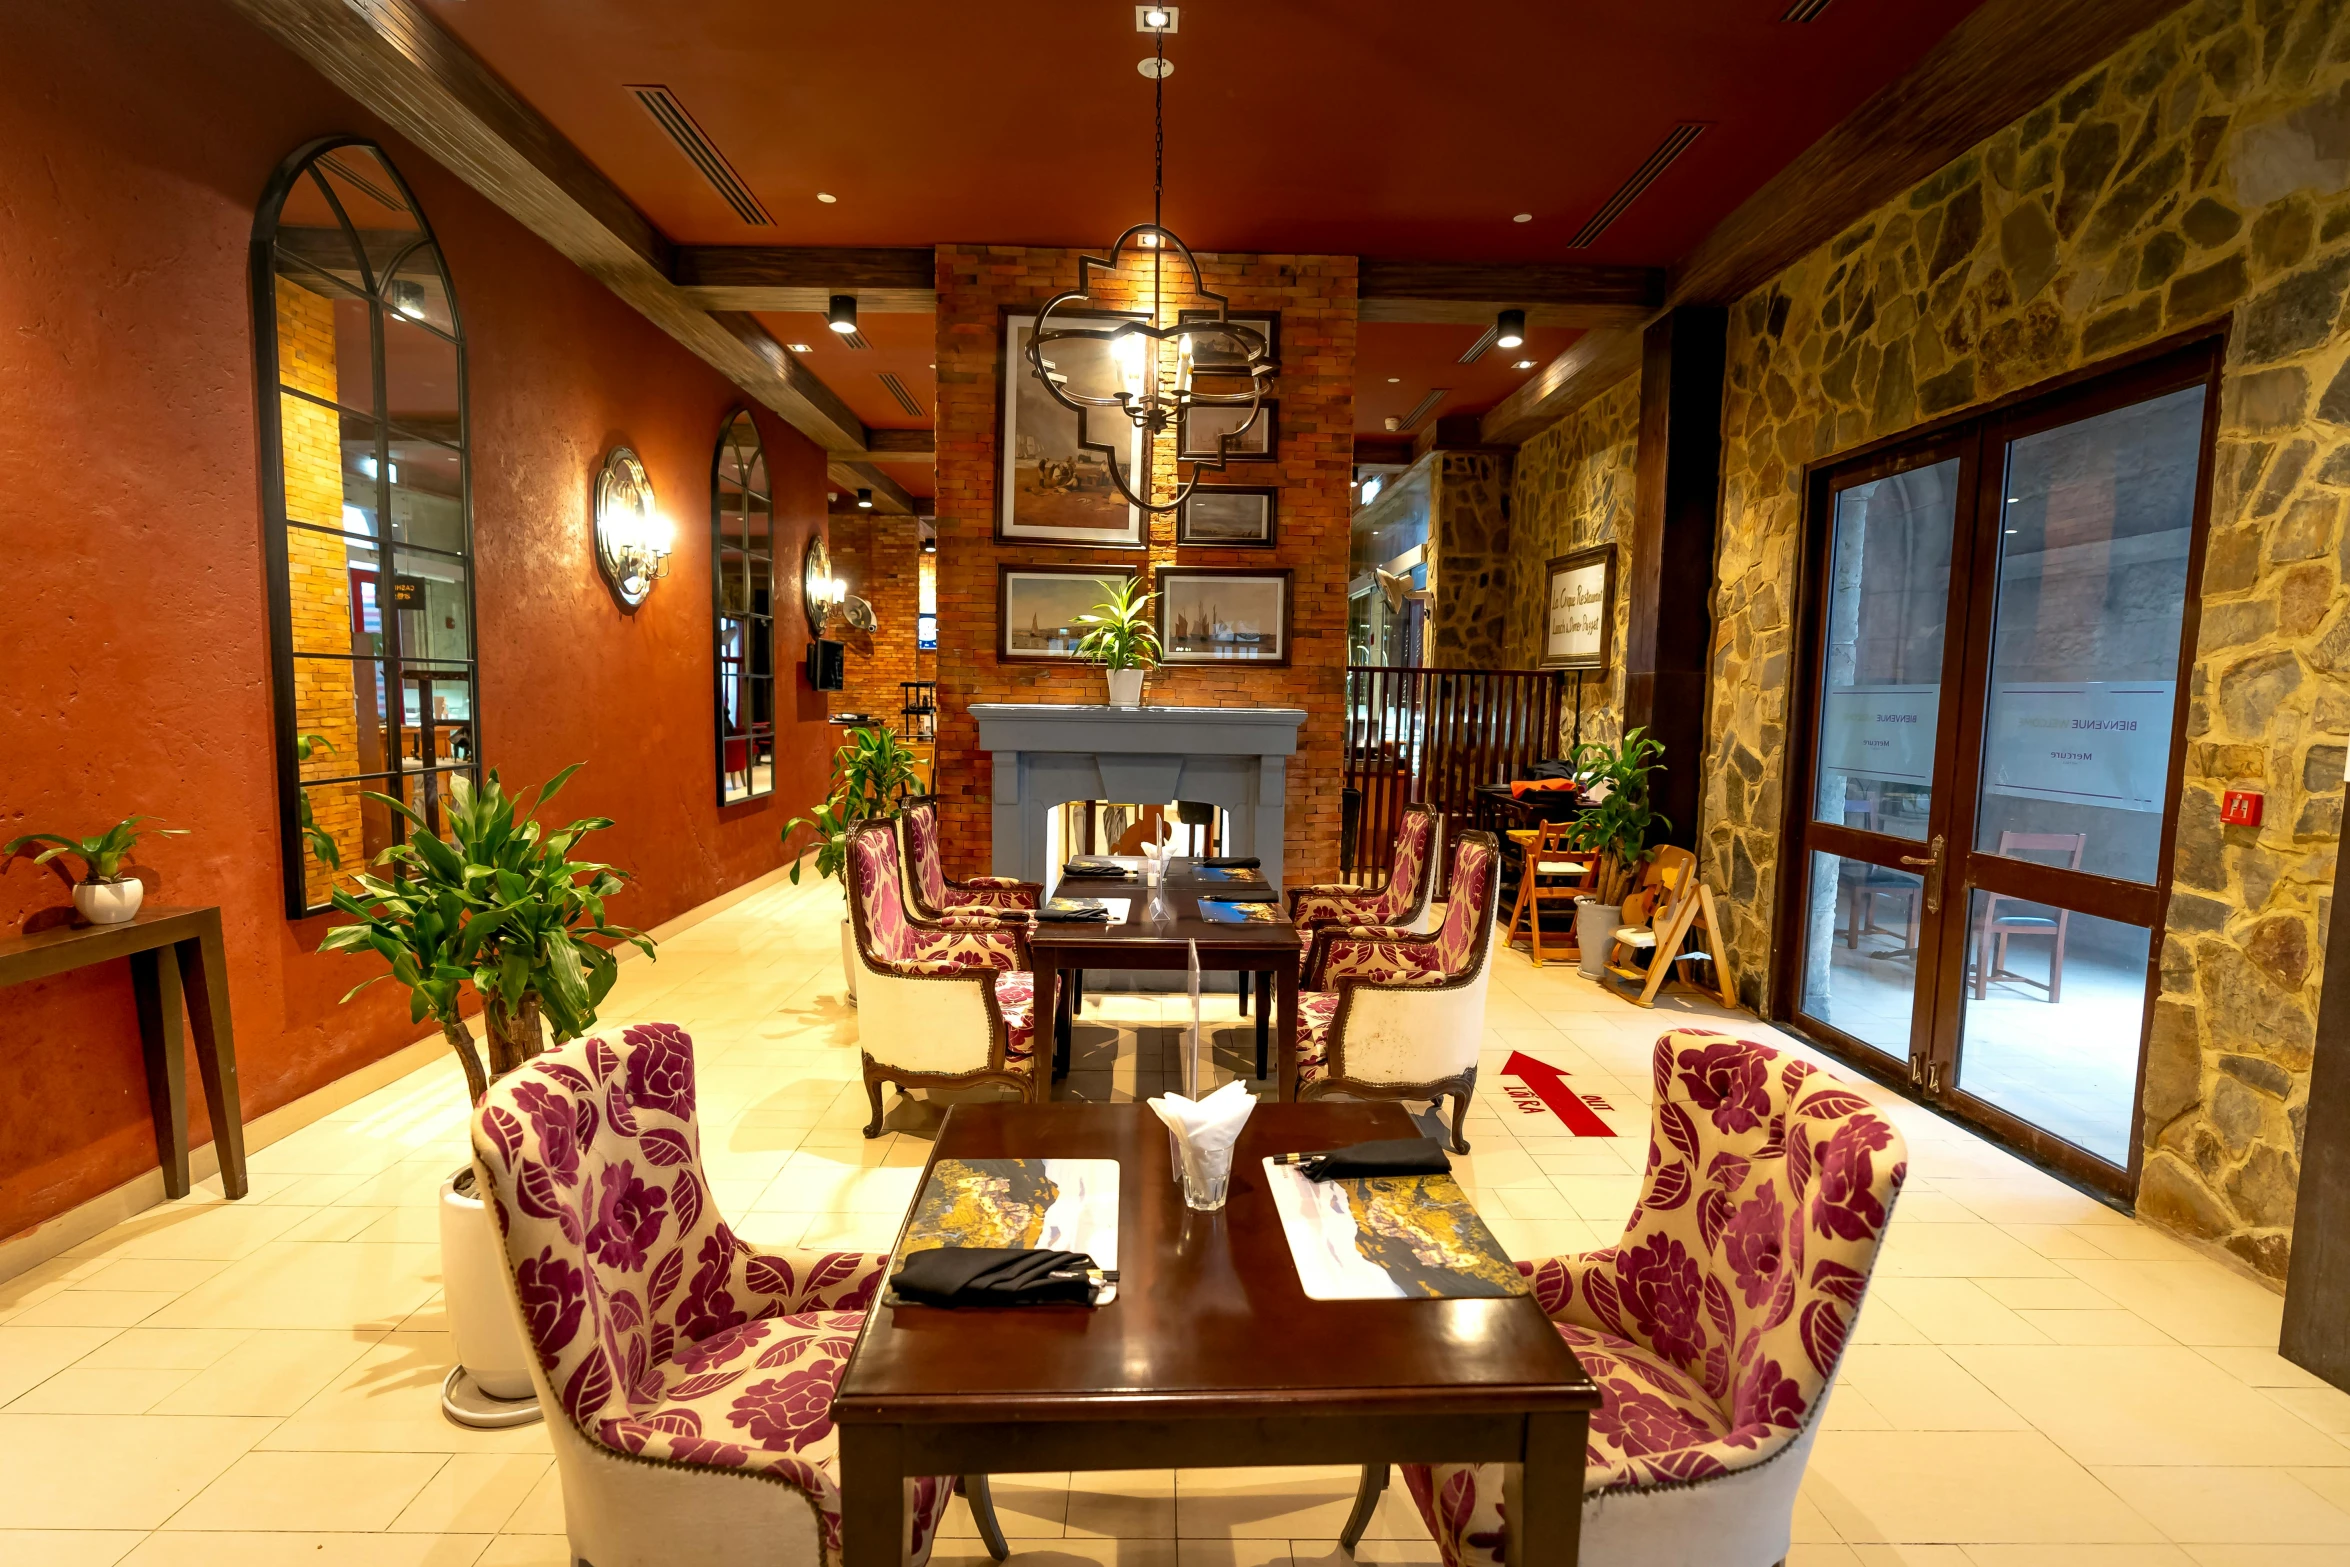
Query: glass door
[(1996, 637)]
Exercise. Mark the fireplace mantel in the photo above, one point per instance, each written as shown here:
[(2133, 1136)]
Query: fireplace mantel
[(1048, 754)]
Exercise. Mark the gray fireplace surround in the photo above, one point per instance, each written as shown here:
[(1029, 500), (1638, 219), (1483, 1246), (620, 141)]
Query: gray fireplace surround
[(1047, 754)]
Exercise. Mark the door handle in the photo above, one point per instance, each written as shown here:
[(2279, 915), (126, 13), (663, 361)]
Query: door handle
[(1932, 860)]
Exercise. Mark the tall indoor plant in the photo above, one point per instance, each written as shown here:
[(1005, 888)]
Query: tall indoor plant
[(1615, 832), (1123, 640), (871, 775)]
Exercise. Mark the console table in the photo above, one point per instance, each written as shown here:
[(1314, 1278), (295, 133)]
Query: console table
[(198, 967)]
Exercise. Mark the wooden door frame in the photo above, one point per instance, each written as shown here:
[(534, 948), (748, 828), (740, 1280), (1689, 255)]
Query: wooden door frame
[(2197, 356)]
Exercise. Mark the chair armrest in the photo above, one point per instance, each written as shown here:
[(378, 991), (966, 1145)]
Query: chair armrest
[(1002, 892), (1382, 954), (1330, 902), (1562, 1286), (786, 1283), (963, 945)]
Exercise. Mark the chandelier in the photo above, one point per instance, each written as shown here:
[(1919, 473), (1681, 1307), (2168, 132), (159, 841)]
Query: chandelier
[(1163, 372)]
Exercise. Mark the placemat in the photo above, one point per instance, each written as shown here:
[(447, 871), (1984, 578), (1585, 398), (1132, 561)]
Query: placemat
[(1389, 1237), (1055, 1204)]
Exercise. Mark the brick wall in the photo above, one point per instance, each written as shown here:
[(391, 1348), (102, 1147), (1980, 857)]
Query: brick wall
[(319, 567), (1316, 298), (878, 557)]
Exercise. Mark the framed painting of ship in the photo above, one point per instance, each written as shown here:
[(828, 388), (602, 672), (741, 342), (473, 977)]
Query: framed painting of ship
[(1051, 488), (1038, 608), (1223, 614)]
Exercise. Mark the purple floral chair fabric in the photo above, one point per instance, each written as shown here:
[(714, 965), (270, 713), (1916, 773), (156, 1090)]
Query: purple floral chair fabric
[(1714, 1327), (941, 1003), (931, 895), (1391, 1014), (1399, 905), (659, 1334)]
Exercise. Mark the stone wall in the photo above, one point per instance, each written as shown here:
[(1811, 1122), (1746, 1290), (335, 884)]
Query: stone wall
[(2199, 171), (1469, 559), (1316, 297), (1571, 489)]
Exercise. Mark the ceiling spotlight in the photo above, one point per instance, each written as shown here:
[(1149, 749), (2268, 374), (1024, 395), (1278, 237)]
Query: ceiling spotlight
[(797, 348), (1393, 423), (1158, 18), (864, 500), (1523, 217), (842, 316), (826, 197), (1395, 380), (1509, 328), (1525, 364)]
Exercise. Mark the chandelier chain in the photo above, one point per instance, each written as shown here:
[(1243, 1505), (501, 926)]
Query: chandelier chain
[(1158, 166)]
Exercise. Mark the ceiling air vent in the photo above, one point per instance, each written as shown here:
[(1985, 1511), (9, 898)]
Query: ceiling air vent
[(1646, 175), (1425, 406), (670, 115), (897, 389), (1477, 349), (853, 340), (1805, 10)]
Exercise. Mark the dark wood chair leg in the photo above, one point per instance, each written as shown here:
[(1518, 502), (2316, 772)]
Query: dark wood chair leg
[(991, 1533), (1241, 984), (873, 1097), (1366, 1503), (2056, 961), (1460, 1114)]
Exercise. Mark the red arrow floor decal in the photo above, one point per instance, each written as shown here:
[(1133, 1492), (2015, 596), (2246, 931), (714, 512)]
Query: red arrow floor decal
[(1548, 1084)]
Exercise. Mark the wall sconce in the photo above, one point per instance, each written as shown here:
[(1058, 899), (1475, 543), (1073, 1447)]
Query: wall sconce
[(821, 593), (633, 539)]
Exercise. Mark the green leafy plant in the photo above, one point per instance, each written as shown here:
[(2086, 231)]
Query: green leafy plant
[(322, 843), (499, 904), (102, 857), (1617, 829), (870, 776), (1122, 636)]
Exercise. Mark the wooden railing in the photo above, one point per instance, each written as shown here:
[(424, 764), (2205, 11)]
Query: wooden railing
[(1430, 737)]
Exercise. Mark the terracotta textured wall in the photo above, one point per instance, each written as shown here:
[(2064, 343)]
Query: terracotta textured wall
[(2200, 170), (1571, 488), (1316, 298), (137, 678)]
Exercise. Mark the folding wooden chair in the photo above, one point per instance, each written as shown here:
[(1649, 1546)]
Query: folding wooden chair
[(1660, 915), (1552, 873)]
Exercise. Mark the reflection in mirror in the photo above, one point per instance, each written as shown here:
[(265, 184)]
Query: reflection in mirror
[(362, 304), (742, 545)]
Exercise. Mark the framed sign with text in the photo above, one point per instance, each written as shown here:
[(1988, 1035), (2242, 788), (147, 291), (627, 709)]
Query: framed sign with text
[(1579, 609)]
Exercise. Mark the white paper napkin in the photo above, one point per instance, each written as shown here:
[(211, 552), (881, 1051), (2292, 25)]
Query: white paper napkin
[(1205, 1129)]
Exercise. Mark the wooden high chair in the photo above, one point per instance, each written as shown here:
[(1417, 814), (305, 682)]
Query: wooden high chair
[(1552, 872), (1659, 916)]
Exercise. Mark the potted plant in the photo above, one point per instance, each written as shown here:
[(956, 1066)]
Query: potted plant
[(1615, 830), (500, 905), (871, 774), (104, 895), (1123, 640)]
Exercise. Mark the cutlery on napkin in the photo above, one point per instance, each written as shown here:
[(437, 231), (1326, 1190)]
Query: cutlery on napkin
[(1389, 1156)]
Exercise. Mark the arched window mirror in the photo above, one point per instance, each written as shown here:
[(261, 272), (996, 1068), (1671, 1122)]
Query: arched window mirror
[(742, 568), (361, 366)]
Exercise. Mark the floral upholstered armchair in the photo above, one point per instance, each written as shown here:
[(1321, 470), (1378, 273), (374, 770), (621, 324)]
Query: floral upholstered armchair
[(942, 1003), (1401, 905), (1392, 1015), (687, 1380), (1714, 1327), (929, 895)]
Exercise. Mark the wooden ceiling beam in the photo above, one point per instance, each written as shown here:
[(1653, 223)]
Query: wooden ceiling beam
[(888, 494), (1470, 293), (1592, 363), (886, 280), (396, 61)]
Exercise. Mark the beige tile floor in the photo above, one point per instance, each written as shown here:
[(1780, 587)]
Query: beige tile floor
[(2036, 1379)]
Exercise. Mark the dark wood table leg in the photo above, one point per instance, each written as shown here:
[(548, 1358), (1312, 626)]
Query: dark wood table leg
[(1544, 1495), (1264, 981), (203, 973), (872, 1496), (1050, 1031), (157, 986), (1286, 977)]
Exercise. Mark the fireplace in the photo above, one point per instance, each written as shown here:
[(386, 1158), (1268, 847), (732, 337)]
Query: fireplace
[(1050, 755)]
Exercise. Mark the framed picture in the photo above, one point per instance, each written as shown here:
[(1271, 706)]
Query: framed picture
[(1579, 609), (1233, 515), (1223, 614), (1051, 488), (1211, 355), (1198, 430), (1037, 608)]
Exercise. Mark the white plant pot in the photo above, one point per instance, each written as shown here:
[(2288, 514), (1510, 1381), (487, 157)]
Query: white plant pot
[(491, 1355), (109, 902), (1125, 687), (1595, 932), (848, 958)]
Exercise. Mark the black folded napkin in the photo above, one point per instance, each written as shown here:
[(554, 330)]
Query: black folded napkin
[(1090, 866), (1230, 862), (1244, 893), (994, 1276), (1073, 911), (1392, 1156)]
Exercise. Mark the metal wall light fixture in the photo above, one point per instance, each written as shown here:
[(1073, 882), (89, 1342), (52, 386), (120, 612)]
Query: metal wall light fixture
[(1509, 328), (841, 316), (1153, 361), (633, 539)]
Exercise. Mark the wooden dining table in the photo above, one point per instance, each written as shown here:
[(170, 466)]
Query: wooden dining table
[(1211, 1356)]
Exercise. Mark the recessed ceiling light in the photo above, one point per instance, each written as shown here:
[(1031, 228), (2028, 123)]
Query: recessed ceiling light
[(1525, 364), (797, 348), (827, 197), (1523, 217), (1395, 380)]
